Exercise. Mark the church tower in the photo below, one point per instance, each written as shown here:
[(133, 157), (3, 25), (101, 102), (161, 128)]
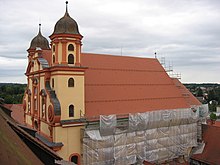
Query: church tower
[(66, 79), (66, 42), (37, 42), (32, 96), (54, 102), (67, 73)]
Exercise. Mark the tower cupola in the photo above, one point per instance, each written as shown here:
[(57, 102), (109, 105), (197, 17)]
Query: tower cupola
[(66, 42), (39, 41), (66, 24)]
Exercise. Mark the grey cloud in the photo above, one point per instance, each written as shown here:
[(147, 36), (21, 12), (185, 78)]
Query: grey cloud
[(186, 32)]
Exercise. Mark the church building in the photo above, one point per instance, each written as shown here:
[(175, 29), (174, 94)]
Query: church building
[(75, 99)]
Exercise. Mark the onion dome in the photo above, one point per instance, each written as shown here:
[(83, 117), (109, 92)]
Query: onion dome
[(39, 41), (66, 24)]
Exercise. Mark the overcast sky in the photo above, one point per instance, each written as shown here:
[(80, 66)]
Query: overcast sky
[(185, 32)]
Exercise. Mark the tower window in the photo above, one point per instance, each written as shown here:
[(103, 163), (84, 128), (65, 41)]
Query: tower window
[(71, 47), (53, 48), (52, 83), (70, 59), (71, 111), (71, 82), (53, 59)]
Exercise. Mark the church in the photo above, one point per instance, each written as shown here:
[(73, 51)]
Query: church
[(105, 109)]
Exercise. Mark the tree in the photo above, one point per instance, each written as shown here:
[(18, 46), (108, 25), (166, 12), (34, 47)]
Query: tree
[(12, 93), (212, 106), (211, 95), (199, 93), (213, 117)]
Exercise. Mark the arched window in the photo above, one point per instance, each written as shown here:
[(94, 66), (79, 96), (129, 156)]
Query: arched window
[(43, 103), (53, 48), (35, 91), (29, 100), (53, 59), (71, 111), (52, 82), (35, 99), (71, 47), (35, 125), (70, 59), (71, 82), (75, 158), (29, 103)]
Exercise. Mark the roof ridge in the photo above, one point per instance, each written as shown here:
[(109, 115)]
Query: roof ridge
[(136, 70), (125, 84), (114, 55)]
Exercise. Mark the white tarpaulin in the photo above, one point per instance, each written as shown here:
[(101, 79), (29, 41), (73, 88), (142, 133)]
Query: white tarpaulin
[(154, 136)]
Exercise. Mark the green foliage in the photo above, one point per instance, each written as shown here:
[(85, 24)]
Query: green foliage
[(212, 95), (213, 116), (12, 93), (210, 92), (199, 92), (212, 107)]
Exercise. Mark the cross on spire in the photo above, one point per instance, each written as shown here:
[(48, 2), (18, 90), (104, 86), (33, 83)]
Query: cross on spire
[(66, 6), (39, 26)]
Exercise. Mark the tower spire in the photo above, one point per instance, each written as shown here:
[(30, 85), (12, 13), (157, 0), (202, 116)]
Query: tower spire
[(39, 27), (66, 6)]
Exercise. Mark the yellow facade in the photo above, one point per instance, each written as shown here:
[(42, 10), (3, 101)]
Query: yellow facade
[(73, 95), (44, 128), (51, 99), (71, 137)]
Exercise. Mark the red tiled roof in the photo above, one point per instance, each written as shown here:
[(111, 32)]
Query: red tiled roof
[(215, 123), (211, 152), (188, 96), (13, 150), (8, 106), (17, 113), (47, 55), (122, 85)]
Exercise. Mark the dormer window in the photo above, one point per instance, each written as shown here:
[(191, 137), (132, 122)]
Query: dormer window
[(71, 47), (70, 59)]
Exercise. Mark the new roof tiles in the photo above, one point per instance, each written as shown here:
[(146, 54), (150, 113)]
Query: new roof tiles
[(122, 85)]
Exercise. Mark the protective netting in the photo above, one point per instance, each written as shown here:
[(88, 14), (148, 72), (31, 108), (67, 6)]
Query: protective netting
[(203, 113), (155, 136), (107, 124)]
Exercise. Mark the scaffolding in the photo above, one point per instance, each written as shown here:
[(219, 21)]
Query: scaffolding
[(154, 136)]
